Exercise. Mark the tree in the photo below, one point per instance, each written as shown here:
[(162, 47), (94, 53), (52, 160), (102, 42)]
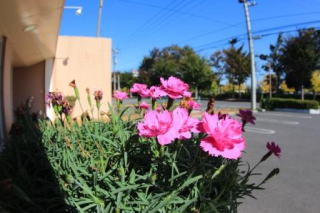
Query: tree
[(315, 82), (126, 79), (265, 84), (236, 65), (273, 62), (181, 62), (300, 56), (216, 61), (285, 89)]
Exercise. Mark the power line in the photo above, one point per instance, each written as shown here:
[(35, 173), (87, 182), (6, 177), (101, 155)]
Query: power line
[(285, 16), (182, 12), (140, 28), (164, 19), (241, 39), (253, 20), (261, 31)]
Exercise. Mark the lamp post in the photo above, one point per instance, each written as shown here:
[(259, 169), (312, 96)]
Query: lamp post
[(77, 8), (115, 61), (246, 4), (99, 17)]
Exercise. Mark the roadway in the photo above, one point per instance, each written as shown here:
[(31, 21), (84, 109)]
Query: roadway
[(297, 188)]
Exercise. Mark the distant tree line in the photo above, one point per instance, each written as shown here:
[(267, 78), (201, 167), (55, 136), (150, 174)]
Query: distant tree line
[(292, 60)]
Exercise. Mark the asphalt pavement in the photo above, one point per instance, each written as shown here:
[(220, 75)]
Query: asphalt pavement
[(297, 188), (219, 104)]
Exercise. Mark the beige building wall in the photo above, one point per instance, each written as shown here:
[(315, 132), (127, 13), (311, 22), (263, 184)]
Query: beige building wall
[(7, 86), (87, 60), (29, 81)]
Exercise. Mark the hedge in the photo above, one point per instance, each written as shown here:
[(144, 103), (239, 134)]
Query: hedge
[(288, 103)]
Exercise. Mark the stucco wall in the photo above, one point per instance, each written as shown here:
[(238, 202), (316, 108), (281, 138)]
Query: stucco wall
[(7, 86), (29, 81), (86, 60)]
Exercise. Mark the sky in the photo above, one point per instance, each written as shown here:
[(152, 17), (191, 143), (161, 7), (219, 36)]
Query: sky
[(138, 26)]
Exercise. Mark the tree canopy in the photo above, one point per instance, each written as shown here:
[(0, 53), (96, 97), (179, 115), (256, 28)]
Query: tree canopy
[(300, 57), (237, 65), (273, 62), (181, 62), (315, 81)]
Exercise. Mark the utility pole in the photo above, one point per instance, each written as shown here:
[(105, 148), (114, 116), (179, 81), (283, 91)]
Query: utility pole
[(246, 4), (270, 82), (115, 61), (99, 18), (119, 86)]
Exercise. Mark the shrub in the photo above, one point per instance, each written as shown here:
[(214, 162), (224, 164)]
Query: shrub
[(273, 103), (106, 166)]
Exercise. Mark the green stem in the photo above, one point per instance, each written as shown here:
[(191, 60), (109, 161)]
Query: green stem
[(153, 103), (169, 103)]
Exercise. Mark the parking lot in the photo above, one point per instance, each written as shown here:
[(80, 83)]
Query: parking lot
[(297, 188)]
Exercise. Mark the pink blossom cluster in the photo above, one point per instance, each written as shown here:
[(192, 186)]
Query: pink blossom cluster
[(222, 134), (172, 87), (120, 96), (168, 126)]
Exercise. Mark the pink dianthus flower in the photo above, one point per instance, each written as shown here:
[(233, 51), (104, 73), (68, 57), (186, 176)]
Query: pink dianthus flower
[(194, 105), (120, 95), (224, 136), (144, 105), (168, 126), (140, 89), (156, 92), (174, 87), (158, 124), (184, 124), (274, 148)]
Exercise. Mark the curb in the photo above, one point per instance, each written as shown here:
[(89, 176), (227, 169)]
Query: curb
[(306, 111)]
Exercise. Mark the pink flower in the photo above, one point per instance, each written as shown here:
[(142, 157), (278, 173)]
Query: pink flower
[(140, 89), (224, 136), (174, 87), (194, 105), (158, 124), (156, 92), (168, 126), (187, 94), (189, 104), (98, 95), (158, 108), (184, 124), (246, 116), (274, 148), (144, 105), (120, 95)]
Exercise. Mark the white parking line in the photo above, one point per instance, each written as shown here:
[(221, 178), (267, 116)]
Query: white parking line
[(260, 131), (278, 121), (285, 115)]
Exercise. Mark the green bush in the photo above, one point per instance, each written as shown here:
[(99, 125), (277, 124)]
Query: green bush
[(107, 167), (273, 103)]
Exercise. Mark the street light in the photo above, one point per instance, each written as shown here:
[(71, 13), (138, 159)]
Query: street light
[(99, 17), (246, 4), (78, 9)]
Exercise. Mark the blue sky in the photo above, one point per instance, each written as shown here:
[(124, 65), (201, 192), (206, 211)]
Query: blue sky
[(137, 26)]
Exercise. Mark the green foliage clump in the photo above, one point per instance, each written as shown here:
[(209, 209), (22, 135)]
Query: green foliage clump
[(107, 167), (273, 103)]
